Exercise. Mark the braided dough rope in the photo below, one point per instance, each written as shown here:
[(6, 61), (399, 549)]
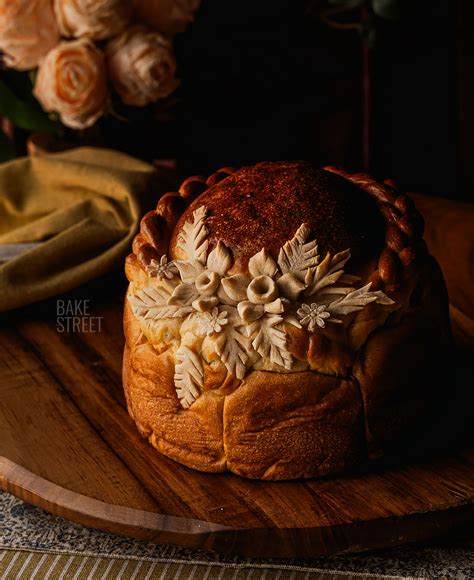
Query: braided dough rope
[(403, 233)]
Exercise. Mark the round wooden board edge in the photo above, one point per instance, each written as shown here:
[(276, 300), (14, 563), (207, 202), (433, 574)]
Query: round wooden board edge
[(244, 542)]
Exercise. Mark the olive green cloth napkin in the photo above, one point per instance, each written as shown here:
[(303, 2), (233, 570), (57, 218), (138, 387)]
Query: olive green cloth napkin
[(83, 206)]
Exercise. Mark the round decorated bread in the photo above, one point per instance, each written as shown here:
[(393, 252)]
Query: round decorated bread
[(282, 321)]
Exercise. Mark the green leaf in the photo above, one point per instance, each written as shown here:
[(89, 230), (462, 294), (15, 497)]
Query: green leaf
[(22, 114), (7, 150), (388, 9), (19, 83)]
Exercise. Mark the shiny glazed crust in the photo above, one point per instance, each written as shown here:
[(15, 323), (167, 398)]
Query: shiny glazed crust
[(273, 425)]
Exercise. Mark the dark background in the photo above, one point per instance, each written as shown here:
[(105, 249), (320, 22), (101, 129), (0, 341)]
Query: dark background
[(265, 80)]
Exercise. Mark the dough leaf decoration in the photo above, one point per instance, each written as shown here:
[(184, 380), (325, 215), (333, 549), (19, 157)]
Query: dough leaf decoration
[(327, 273), (262, 264), (244, 317), (356, 300), (193, 238), (297, 255), (188, 376), (152, 303), (183, 295), (219, 259), (189, 270), (270, 340), (151, 295), (233, 346)]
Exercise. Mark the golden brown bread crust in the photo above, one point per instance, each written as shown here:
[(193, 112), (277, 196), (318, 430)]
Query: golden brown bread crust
[(260, 205), (402, 229), (303, 424), (271, 427), (400, 382), (193, 437), (287, 427)]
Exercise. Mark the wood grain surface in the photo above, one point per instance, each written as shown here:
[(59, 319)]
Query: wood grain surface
[(67, 445)]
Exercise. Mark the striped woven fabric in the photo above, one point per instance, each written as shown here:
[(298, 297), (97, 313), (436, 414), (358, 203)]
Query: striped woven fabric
[(35, 544), (23, 565)]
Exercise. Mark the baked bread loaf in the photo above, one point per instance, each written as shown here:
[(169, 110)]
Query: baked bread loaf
[(282, 322)]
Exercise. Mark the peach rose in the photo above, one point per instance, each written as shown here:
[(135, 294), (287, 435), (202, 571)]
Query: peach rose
[(141, 66), (97, 19), (71, 82), (28, 30), (167, 16)]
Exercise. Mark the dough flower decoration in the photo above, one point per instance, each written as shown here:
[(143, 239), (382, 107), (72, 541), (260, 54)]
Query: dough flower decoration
[(313, 315), (246, 315), (213, 321), (161, 269)]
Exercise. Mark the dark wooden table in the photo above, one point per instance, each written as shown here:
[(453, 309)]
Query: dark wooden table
[(67, 445)]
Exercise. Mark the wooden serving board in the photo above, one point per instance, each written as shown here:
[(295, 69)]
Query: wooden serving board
[(67, 445)]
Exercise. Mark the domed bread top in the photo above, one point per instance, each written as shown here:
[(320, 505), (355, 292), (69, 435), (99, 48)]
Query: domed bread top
[(263, 205), (216, 277)]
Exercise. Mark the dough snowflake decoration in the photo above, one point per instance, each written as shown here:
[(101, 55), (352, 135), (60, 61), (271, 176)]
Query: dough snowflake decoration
[(246, 314)]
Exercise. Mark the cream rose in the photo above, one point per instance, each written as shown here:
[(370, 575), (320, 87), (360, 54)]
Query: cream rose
[(97, 19), (167, 16), (28, 30), (141, 66), (71, 81)]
